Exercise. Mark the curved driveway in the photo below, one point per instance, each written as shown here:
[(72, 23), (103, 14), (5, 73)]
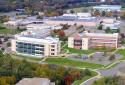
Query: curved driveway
[(104, 73)]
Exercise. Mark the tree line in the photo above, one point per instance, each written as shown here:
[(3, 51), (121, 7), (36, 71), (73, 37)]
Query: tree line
[(12, 71)]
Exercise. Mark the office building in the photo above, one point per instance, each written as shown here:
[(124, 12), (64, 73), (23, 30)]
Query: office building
[(87, 41), (36, 42)]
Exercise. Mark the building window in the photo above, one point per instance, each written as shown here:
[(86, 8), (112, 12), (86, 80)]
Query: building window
[(52, 46), (78, 42), (52, 49), (52, 54), (41, 45)]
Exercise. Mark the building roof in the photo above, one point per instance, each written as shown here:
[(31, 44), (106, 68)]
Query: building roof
[(37, 35), (35, 81), (43, 26), (86, 35), (71, 18)]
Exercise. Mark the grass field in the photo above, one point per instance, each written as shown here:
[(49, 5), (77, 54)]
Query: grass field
[(9, 31), (79, 52), (4, 30), (30, 58), (121, 52), (72, 63)]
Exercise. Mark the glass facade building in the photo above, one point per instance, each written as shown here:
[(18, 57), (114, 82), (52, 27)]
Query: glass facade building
[(29, 48)]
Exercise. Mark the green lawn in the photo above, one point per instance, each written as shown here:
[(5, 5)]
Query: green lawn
[(4, 30), (27, 57), (1, 24), (72, 63), (10, 31), (78, 82), (121, 52), (79, 52)]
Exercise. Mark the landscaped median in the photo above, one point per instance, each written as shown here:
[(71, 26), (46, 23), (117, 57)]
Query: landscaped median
[(121, 52), (76, 51), (72, 63)]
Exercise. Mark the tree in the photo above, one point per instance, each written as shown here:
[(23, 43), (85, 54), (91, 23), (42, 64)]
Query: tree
[(96, 13), (91, 57), (68, 80), (122, 35), (28, 11), (39, 17), (112, 57), (24, 70), (122, 15), (103, 13), (100, 27), (87, 72), (109, 14), (8, 44), (8, 80), (107, 30), (61, 34), (1, 54), (65, 26), (72, 11), (105, 53)]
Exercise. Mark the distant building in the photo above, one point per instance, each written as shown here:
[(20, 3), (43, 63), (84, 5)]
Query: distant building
[(87, 41), (35, 81), (36, 42), (108, 8), (84, 19), (43, 26), (24, 22)]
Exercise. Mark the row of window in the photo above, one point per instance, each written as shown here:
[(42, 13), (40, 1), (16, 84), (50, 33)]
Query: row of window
[(29, 52), (29, 44)]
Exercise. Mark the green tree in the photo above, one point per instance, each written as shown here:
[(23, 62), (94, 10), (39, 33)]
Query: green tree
[(107, 30), (87, 72), (103, 13), (24, 70), (72, 11), (8, 44), (100, 27)]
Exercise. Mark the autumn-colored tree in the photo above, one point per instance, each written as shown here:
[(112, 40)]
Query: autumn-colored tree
[(8, 80), (122, 15), (68, 80), (65, 26), (61, 34), (109, 14), (96, 13), (75, 74)]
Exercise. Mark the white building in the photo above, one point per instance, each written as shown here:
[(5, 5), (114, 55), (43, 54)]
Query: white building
[(37, 43), (111, 22), (87, 41), (84, 19), (12, 22), (35, 81), (43, 26), (23, 22), (78, 15), (108, 7)]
